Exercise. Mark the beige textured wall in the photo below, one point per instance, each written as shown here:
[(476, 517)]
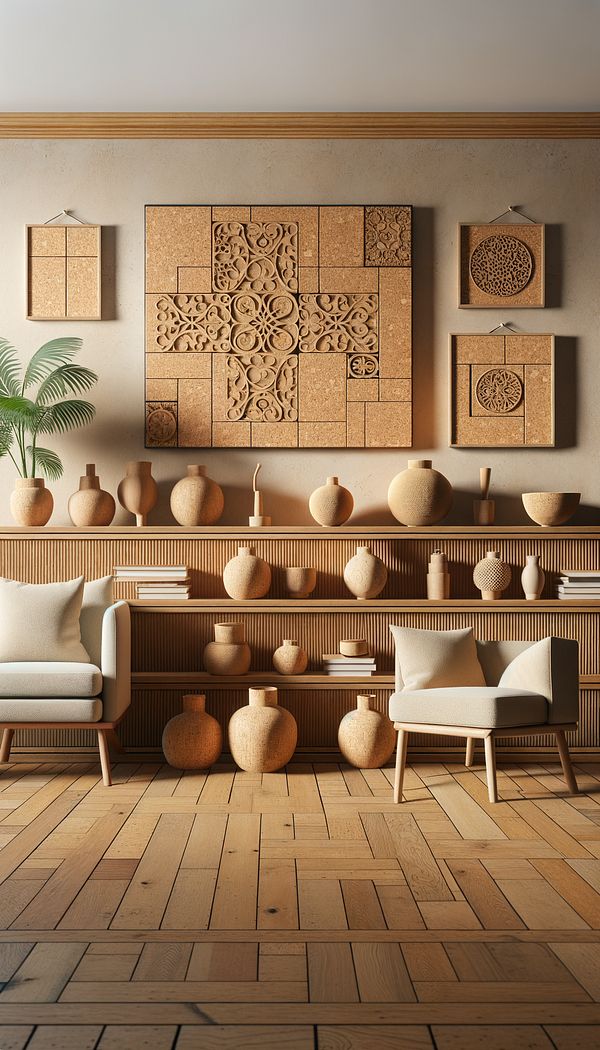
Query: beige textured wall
[(447, 182)]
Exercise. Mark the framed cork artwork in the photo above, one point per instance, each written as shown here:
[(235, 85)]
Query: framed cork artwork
[(502, 391), (63, 273), (285, 326), (501, 265)]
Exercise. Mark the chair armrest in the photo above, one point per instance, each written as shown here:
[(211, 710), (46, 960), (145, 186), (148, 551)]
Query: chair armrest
[(116, 661), (549, 667)]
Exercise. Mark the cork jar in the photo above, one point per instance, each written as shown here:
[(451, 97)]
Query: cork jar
[(192, 739), (91, 505), (366, 738), (197, 499), (492, 576), (331, 504), (290, 658), (365, 575), (419, 495), (246, 576), (263, 735), (31, 503), (229, 653)]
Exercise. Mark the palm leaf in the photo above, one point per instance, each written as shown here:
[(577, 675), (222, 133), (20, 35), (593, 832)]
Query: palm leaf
[(9, 370), (47, 461), (50, 356), (17, 410), (66, 379), (65, 415), (6, 438)]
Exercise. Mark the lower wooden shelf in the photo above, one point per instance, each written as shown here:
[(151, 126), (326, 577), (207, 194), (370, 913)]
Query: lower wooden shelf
[(181, 679)]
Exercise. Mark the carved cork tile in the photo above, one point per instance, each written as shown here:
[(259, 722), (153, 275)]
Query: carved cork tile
[(502, 390), (63, 273), (278, 326), (501, 265)]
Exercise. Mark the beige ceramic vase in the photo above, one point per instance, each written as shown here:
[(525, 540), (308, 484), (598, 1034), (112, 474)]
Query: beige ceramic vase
[(492, 576), (246, 576), (138, 491), (300, 580), (229, 654), (263, 735), (91, 505), (31, 503), (419, 495), (197, 499), (193, 739), (290, 658), (533, 578), (366, 738), (331, 504), (365, 575)]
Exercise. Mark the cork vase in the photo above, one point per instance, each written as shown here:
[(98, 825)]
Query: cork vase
[(331, 504), (533, 578), (290, 658), (138, 491), (366, 738), (419, 495), (492, 576), (91, 505), (365, 575), (229, 653), (246, 576), (31, 503), (197, 499), (263, 735), (192, 739), (300, 580), (438, 577)]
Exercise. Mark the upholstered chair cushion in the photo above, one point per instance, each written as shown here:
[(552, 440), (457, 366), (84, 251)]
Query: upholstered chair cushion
[(436, 659), (55, 709), (40, 621), (97, 596), (49, 679), (487, 707)]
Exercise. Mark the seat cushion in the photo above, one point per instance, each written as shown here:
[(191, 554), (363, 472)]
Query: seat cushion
[(487, 707), (436, 659), (58, 709), (41, 679)]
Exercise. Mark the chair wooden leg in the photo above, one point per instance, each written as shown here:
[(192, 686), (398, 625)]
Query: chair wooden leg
[(470, 752), (565, 760), (490, 767), (104, 757), (7, 737), (400, 764)]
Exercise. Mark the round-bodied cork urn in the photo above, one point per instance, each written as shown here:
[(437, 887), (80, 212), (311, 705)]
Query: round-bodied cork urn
[(138, 491), (91, 505), (290, 658), (492, 576), (365, 575), (366, 738), (263, 735), (533, 578), (31, 503), (331, 504), (246, 576), (300, 580), (419, 495), (229, 654), (197, 499), (192, 739)]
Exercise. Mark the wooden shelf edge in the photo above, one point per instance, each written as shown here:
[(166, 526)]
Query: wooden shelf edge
[(236, 532), (306, 681), (329, 605)]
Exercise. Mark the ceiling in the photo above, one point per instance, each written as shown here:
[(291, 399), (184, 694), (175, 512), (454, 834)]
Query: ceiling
[(307, 55)]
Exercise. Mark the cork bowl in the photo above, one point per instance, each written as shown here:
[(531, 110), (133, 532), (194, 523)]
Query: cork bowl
[(551, 508)]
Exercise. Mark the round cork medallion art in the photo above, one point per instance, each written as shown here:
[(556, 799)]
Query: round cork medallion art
[(501, 265), (499, 390)]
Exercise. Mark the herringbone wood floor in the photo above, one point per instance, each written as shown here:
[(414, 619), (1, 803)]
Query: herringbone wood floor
[(298, 910)]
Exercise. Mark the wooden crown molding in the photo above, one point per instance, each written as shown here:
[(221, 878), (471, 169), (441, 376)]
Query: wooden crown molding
[(299, 125)]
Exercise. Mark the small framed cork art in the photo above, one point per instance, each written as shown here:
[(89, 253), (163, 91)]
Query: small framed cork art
[(502, 391), (286, 326), (501, 265), (63, 273)]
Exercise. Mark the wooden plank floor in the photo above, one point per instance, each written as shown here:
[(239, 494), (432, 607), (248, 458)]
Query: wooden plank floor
[(298, 910)]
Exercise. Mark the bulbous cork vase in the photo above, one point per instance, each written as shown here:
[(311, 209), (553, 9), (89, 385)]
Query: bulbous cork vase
[(197, 499), (263, 735), (192, 739), (229, 654), (366, 738)]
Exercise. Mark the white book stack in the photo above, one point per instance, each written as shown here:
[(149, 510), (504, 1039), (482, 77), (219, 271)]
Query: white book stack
[(350, 666), (578, 586), (157, 582)]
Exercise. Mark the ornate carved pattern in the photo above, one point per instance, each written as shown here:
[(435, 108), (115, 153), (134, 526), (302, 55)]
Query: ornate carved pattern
[(499, 390), (501, 265), (338, 323), (255, 256), (264, 322), (388, 236), (362, 366), (262, 388), (161, 424), (193, 323)]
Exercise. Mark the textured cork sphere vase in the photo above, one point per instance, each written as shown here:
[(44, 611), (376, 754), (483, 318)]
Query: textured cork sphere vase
[(366, 738), (551, 508), (492, 576), (193, 739), (246, 576), (138, 491), (290, 658), (263, 735), (331, 504), (419, 495), (229, 654), (197, 499), (91, 505), (533, 578), (300, 580), (31, 503), (365, 575)]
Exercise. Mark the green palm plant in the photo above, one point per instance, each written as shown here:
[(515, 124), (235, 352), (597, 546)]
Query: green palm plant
[(37, 401)]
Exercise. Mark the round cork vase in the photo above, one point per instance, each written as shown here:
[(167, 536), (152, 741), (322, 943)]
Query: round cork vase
[(31, 503), (192, 739), (229, 654), (492, 576), (366, 738), (263, 735), (290, 658), (533, 578), (419, 495), (246, 576), (91, 505), (138, 491), (331, 504), (197, 499), (365, 575)]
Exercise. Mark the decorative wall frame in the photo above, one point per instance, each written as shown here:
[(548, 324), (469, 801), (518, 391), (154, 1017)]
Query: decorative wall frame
[(501, 264), (63, 272), (283, 326), (502, 390)]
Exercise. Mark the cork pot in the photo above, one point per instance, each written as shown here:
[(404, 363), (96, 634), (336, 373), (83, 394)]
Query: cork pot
[(229, 654), (246, 576), (31, 503), (533, 578), (197, 499), (193, 739), (365, 575), (366, 738), (550, 508), (331, 504), (300, 580), (492, 576), (138, 491), (419, 495), (263, 735), (91, 505), (354, 647), (290, 658)]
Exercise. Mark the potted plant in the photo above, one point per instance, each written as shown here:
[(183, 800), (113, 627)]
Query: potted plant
[(36, 402)]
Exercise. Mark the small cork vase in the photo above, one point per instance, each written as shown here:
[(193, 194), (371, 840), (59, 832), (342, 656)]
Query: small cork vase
[(533, 578), (138, 491), (91, 505), (290, 658), (229, 654), (246, 576), (492, 576), (300, 580), (365, 575), (419, 495), (331, 504), (197, 499), (31, 503), (366, 738), (193, 739), (263, 735), (438, 577)]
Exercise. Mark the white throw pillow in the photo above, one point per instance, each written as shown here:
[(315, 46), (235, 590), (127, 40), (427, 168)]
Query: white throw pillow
[(436, 659), (97, 597), (40, 621)]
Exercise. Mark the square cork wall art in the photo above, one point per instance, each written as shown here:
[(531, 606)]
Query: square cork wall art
[(286, 326), (63, 273), (502, 391), (501, 265)]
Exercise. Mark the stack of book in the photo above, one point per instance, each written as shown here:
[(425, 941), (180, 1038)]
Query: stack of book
[(351, 666), (578, 585), (156, 582)]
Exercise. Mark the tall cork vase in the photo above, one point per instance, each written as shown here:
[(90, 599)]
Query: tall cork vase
[(91, 505), (192, 739), (197, 499), (263, 735), (366, 738), (138, 491)]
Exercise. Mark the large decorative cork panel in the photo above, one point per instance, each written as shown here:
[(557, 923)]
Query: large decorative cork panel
[(501, 265), (63, 273), (502, 390), (278, 326)]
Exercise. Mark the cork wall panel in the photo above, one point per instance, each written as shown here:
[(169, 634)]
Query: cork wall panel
[(63, 273), (278, 326), (501, 265)]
